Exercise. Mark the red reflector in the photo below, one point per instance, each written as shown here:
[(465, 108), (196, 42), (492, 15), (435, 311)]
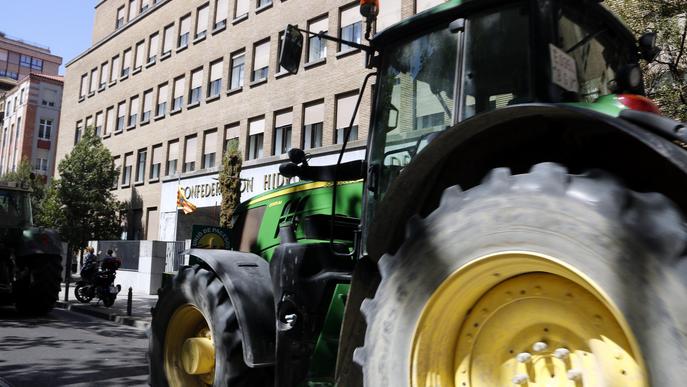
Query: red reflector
[(638, 102)]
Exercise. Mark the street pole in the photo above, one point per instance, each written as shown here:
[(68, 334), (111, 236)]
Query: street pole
[(67, 273)]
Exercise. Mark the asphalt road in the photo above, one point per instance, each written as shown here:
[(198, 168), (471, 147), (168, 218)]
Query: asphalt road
[(70, 349)]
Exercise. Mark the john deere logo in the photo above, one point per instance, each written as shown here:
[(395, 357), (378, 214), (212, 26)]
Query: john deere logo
[(210, 237)]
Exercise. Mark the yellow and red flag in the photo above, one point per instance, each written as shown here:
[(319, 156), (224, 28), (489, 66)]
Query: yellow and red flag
[(183, 203)]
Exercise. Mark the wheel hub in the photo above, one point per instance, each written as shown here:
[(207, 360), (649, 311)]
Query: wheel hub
[(198, 355), (189, 352), (522, 320)]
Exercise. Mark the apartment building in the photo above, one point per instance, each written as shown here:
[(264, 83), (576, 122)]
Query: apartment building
[(30, 124), (18, 58), (169, 83)]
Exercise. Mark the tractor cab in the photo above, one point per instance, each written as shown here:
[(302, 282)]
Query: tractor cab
[(15, 207)]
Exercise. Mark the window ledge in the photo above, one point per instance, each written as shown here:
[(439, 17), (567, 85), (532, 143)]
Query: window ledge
[(123, 78), (175, 111), (165, 55), (258, 82), (220, 28), (137, 70), (264, 7), (182, 48), (235, 90), (130, 127), (159, 117), (193, 105), (314, 63), (199, 38), (153, 180), (82, 98), (125, 186), (146, 122), (150, 63), (281, 74), (120, 131), (212, 98), (102, 88), (105, 137), (112, 83), (139, 183), (348, 52), (92, 93), (239, 19)]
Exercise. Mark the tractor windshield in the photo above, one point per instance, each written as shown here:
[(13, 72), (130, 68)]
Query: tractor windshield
[(15, 208)]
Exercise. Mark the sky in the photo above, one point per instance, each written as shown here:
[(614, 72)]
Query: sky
[(63, 25)]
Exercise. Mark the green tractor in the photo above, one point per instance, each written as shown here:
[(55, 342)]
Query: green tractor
[(30, 257), (521, 224)]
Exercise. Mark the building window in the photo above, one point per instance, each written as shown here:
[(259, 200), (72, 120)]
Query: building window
[(184, 30), (133, 111), (121, 117), (261, 58), (128, 164), (317, 48), (83, 90), (178, 98), (141, 165), (98, 123), (263, 3), (89, 122), (44, 129), (344, 111), (153, 47), (114, 68), (241, 8), (196, 87), (145, 4), (237, 66), (215, 85), (94, 81), (221, 11), (41, 165), (120, 18), (231, 132), (168, 39), (202, 22), (209, 147), (256, 129), (156, 162), (126, 63), (190, 154), (36, 64), (104, 73), (133, 8), (426, 4), (147, 105), (109, 121), (117, 164), (25, 61), (351, 27), (282, 132), (138, 60), (161, 108), (389, 14), (78, 132), (313, 119), (172, 157), (49, 97)]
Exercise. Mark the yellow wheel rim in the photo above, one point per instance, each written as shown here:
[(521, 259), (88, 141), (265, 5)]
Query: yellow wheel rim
[(189, 353), (519, 318)]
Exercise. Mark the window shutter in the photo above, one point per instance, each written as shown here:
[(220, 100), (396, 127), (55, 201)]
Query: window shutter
[(389, 14), (148, 101), (104, 69), (216, 71), (256, 126), (122, 110), (99, 119), (222, 10), (109, 121), (314, 114), (115, 68), (127, 59), (344, 111), (190, 154), (173, 151), (210, 142), (157, 155), (202, 20), (162, 94), (241, 7), (152, 49), (185, 25), (196, 79), (319, 25), (283, 119), (139, 55), (350, 16), (262, 54), (179, 86), (134, 106), (168, 39)]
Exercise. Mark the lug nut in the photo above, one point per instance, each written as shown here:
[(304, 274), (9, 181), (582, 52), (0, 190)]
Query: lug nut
[(561, 353), (575, 374), (540, 346), (520, 379), (523, 357), (290, 318)]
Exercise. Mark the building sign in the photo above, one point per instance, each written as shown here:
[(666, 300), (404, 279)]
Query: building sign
[(210, 237)]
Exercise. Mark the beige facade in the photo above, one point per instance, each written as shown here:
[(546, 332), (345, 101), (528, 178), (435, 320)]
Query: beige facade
[(19, 58), (184, 55)]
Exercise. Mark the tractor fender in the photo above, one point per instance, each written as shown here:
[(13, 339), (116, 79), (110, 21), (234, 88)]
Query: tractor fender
[(246, 277), (639, 152), (38, 241)]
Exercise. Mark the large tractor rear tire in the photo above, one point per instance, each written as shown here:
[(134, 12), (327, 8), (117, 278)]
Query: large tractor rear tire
[(539, 279), (195, 338), (36, 292)]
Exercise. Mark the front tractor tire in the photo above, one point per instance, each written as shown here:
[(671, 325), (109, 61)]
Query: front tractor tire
[(539, 279), (195, 339), (38, 286)]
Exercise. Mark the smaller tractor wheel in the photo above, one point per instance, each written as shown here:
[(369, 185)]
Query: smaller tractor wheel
[(81, 292), (37, 291), (195, 337)]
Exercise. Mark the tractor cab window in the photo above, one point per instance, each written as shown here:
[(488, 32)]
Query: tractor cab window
[(596, 50), (15, 209), (497, 60)]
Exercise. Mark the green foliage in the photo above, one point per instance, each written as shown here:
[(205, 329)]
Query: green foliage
[(666, 78), (80, 203), (22, 176), (230, 183)]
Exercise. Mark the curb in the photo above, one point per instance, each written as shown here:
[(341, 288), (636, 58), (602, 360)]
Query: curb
[(117, 319)]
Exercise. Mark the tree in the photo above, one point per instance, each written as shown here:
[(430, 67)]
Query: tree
[(22, 176), (230, 183), (666, 78), (81, 203)]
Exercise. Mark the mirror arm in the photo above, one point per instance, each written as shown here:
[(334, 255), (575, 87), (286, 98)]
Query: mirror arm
[(322, 35)]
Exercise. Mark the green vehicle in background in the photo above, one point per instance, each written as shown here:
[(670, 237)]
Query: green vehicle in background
[(521, 223)]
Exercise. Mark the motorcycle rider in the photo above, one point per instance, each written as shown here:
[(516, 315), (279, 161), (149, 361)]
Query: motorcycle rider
[(90, 267)]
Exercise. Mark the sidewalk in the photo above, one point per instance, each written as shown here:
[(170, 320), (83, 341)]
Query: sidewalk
[(140, 308)]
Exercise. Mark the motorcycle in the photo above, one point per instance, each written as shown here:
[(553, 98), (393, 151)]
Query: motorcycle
[(100, 283)]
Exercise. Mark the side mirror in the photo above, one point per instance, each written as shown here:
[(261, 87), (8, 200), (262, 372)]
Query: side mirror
[(393, 118), (297, 156), (647, 46), (291, 49)]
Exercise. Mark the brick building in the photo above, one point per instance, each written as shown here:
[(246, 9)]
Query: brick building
[(168, 83), (30, 124), (19, 58)]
